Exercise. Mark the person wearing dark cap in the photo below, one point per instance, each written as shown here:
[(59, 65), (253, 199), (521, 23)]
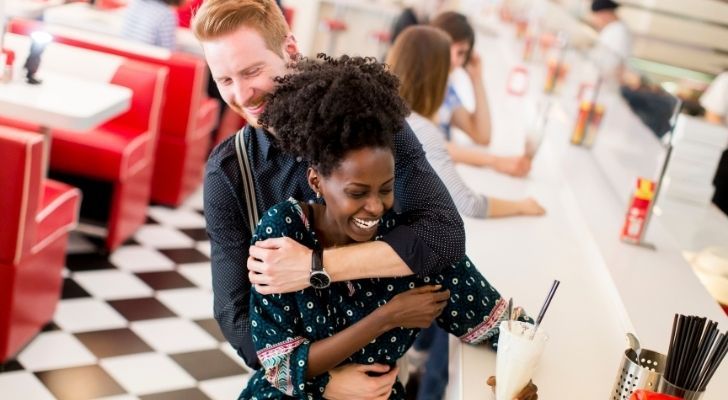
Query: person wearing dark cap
[(417, 12), (614, 37)]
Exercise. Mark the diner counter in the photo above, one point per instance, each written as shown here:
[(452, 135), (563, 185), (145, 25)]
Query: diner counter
[(608, 288)]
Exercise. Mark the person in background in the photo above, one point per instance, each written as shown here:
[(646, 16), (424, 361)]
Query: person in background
[(421, 60), (614, 44), (152, 22), (348, 144), (247, 44), (475, 124), (420, 57), (418, 12), (715, 103)]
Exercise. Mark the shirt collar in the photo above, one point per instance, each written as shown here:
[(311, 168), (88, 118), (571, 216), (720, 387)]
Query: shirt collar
[(266, 143)]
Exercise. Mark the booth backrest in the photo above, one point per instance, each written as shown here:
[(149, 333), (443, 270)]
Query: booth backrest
[(187, 73), (20, 180), (147, 83)]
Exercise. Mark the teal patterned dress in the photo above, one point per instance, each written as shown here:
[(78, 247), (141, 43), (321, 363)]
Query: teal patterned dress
[(285, 325)]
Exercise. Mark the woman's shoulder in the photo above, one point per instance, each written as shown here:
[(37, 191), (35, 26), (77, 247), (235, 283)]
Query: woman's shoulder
[(284, 219), (286, 209)]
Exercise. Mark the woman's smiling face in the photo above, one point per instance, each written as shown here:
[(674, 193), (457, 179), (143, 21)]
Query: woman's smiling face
[(357, 193)]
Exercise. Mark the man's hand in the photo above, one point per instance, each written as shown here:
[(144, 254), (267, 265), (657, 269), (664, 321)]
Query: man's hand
[(530, 392), (351, 382), (416, 308), (279, 265)]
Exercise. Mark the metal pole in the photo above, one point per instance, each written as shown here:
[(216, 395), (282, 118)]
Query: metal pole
[(663, 170)]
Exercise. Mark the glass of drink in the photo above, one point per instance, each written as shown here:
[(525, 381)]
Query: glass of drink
[(517, 357)]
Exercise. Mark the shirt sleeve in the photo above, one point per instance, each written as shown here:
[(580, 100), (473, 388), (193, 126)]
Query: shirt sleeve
[(475, 308), (277, 324), (467, 201), (715, 98), (433, 236), (168, 31), (227, 227)]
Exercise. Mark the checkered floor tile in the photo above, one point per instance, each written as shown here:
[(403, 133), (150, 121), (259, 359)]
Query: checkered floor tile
[(133, 325)]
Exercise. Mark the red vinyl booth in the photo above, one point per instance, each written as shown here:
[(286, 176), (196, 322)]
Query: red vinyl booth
[(36, 215), (120, 151), (188, 115)]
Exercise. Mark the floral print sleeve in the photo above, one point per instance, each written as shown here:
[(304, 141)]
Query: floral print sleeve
[(276, 321), (475, 308)]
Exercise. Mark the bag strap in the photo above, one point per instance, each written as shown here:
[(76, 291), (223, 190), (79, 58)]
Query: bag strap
[(248, 184)]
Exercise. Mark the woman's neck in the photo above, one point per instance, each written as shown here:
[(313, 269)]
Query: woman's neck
[(326, 230)]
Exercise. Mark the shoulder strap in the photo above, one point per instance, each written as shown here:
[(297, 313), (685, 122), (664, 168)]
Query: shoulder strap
[(248, 184)]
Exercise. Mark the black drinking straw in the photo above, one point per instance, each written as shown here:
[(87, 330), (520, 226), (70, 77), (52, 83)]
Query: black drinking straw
[(683, 338), (545, 306), (700, 365), (716, 358), (670, 354), (692, 349), (696, 350)]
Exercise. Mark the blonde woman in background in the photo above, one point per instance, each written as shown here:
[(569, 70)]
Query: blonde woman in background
[(421, 60)]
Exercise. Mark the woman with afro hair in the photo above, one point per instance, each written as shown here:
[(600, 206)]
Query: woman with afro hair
[(341, 116)]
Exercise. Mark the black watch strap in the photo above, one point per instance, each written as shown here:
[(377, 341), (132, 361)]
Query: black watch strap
[(317, 257)]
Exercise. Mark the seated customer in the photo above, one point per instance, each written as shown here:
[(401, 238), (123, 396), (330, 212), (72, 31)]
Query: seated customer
[(421, 59), (341, 116), (417, 12), (152, 22), (452, 112), (715, 102)]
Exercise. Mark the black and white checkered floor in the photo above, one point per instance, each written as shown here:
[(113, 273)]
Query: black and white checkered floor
[(133, 325)]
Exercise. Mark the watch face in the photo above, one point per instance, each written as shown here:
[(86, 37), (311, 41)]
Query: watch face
[(319, 280)]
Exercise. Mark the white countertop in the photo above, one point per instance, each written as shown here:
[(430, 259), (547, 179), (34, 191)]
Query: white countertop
[(608, 287)]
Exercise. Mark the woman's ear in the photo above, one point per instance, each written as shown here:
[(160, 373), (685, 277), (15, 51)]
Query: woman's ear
[(314, 181)]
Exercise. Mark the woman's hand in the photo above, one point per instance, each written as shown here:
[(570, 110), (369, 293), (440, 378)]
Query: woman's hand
[(474, 67), (529, 206), (354, 382), (415, 308), (518, 166), (530, 392)]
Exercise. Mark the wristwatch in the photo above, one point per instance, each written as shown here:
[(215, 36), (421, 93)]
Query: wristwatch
[(318, 279)]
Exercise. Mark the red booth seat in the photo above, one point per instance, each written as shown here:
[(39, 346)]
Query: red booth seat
[(188, 115), (120, 151), (36, 216)]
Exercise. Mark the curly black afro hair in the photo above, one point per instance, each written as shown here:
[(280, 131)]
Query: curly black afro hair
[(330, 106)]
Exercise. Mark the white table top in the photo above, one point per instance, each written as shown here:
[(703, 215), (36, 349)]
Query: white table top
[(62, 100), (608, 287)]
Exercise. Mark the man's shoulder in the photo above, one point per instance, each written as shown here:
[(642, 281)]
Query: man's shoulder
[(225, 150), (405, 142), (224, 156)]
